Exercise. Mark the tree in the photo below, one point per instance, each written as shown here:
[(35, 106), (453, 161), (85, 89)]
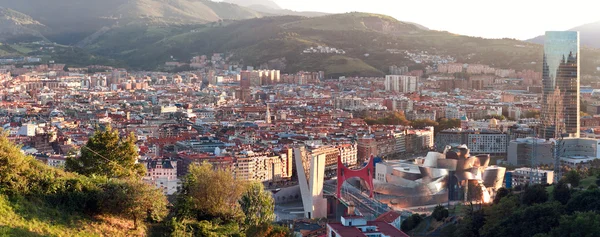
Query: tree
[(439, 213), (257, 205), (497, 214), (588, 200), (561, 192), (209, 194), (109, 155), (470, 225), (445, 123), (501, 193), (525, 221), (578, 224), (133, 199), (573, 177), (474, 194), (423, 123), (268, 230), (534, 194), (411, 222)]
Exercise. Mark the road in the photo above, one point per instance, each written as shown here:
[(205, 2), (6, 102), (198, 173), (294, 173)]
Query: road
[(369, 207)]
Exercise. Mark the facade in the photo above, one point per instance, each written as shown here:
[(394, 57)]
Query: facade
[(521, 150), (349, 154), (522, 176), (436, 178), (401, 83), (486, 141), (560, 79), (311, 175), (162, 173)]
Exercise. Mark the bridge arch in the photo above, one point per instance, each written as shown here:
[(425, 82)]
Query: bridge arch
[(344, 173)]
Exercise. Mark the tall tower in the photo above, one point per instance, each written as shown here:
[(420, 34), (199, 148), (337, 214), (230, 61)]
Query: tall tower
[(560, 95)]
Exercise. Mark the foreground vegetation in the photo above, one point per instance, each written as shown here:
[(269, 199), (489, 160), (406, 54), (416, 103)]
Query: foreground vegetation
[(111, 200), (572, 208)]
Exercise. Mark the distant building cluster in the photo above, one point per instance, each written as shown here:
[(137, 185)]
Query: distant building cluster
[(324, 50)]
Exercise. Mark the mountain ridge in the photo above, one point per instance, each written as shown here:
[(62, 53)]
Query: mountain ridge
[(589, 35)]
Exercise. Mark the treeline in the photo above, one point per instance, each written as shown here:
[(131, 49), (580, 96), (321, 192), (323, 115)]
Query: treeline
[(106, 181), (398, 118), (565, 210)]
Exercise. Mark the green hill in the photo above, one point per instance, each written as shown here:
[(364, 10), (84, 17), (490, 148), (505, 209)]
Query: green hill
[(81, 18), (364, 37), (18, 27)]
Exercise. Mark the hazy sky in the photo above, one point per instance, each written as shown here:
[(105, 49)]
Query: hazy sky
[(521, 19)]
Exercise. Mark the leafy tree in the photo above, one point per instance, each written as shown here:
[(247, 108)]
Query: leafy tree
[(497, 214), (561, 192), (529, 221), (578, 224), (107, 154), (133, 199), (534, 194), (501, 193), (440, 212), (411, 222), (474, 194), (470, 225), (422, 123), (588, 200), (257, 205), (445, 123), (209, 194), (573, 177), (592, 186), (268, 230)]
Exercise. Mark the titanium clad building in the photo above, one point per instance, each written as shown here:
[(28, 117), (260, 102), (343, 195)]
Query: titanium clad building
[(560, 96)]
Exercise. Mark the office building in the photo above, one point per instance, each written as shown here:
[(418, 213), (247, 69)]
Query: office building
[(560, 79)]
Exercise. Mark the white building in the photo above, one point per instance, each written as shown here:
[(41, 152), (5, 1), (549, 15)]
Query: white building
[(522, 176), (311, 175), (162, 173), (401, 83), (28, 130)]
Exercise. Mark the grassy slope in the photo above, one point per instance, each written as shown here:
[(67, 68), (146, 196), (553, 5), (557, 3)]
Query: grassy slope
[(24, 218)]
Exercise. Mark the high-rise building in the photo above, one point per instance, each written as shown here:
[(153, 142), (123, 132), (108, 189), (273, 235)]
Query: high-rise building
[(401, 83), (560, 79)]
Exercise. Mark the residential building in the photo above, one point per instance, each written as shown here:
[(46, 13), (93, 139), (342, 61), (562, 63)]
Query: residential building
[(523, 176), (162, 173), (401, 83), (357, 226)]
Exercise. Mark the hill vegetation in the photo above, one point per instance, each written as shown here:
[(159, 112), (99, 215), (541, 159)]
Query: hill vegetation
[(81, 18), (18, 27), (364, 37), (112, 200)]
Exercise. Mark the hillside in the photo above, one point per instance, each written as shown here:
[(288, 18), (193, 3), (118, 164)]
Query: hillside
[(271, 8), (249, 3), (279, 42), (81, 18), (589, 35), (31, 219), (16, 26)]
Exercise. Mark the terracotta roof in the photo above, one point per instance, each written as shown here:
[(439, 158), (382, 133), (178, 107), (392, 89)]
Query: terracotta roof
[(388, 217)]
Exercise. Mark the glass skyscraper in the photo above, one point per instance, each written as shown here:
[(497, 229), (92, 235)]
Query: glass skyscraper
[(560, 98)]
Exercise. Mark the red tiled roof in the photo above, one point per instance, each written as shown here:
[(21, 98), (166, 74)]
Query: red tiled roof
[(388, 217)]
